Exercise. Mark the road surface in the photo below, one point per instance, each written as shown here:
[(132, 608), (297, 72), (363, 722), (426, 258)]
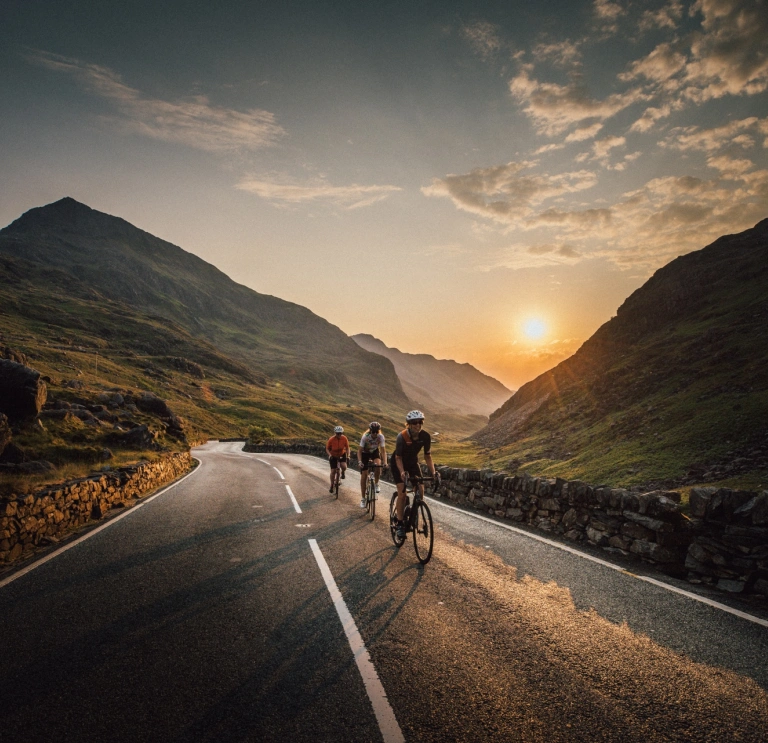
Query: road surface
[(247, 604)]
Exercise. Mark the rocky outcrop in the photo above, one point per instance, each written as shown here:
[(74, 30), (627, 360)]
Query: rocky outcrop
[(45, 517), (22, 391)]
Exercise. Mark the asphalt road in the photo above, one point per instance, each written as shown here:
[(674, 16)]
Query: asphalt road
[(216, 612)]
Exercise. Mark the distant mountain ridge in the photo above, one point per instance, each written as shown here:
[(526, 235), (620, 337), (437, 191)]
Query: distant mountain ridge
[(440, 385), (675, 385), (82, 252)]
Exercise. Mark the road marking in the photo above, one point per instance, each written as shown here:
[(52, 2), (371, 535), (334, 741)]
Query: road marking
[(262, 461), (293, 498), (278, 472), (90, 534), (303, 526), (612, 566), (385, 716)]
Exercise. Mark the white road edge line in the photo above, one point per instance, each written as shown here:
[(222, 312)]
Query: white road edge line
[(278, 472), (259, 460), (385, 716), (93, 533), (293, 498), (605, 563)]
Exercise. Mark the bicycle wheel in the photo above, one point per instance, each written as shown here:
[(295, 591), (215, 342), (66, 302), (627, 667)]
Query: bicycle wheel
[(336, 488), (393, 521), (372, 499), (423, 533)]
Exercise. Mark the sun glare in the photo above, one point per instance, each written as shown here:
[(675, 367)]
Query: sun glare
[(534, 328)]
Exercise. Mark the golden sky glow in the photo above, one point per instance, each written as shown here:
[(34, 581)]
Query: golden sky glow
[(496, 160)]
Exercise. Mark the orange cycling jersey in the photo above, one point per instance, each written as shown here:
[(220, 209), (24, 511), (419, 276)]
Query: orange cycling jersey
[(337, 446)]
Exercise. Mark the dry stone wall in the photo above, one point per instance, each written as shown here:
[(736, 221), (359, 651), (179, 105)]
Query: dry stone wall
[(722, 542), (44, 517)]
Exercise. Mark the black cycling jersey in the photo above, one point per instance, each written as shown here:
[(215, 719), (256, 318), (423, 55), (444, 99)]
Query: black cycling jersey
[(409, 451)]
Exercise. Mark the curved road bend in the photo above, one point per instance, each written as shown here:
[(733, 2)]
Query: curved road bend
[(208, 615)]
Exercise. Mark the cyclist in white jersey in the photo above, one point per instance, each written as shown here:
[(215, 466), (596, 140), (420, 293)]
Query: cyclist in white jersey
[(371, 451)]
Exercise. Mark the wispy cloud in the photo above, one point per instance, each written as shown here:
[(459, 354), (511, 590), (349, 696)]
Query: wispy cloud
[(283, 191), (504, 193), (711, 140), (483, 37), (192, 121), (667, 17), (561, 54), (608, 14), (520, 256), (553, 108)]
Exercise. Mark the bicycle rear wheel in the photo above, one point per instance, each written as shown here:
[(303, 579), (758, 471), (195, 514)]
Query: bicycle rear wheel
[(423, 533), (393, 521), (336, 488), (372, 499)]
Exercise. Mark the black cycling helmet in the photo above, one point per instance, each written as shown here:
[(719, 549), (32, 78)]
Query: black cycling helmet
[(375, 426)]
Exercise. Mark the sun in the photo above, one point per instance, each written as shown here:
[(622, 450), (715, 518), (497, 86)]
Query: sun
[(534, 328)]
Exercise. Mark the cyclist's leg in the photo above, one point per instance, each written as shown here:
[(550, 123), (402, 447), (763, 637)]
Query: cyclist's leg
[(343, 465), (334, 464), (363, 478)]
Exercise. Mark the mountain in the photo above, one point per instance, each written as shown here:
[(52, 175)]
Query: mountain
[(438, 385), (67, 249), (674, 388)]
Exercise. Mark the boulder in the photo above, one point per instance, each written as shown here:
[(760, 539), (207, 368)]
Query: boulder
[(22, 391)]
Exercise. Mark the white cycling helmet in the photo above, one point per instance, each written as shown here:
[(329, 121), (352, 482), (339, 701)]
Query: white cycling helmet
[(338, 429), (414, 415)]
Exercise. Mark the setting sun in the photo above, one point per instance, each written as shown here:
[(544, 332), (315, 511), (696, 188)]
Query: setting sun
[(534, 328)]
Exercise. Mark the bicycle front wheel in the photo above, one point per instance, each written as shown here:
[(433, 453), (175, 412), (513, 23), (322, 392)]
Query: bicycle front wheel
[(423, 533), (372, 499), (393, 521)]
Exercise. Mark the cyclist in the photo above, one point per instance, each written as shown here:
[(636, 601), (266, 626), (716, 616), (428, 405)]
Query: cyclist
[(371, 450), (338, 451), (410, 441)]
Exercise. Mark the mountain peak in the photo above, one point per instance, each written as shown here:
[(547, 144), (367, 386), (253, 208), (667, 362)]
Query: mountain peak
[(69, 215)]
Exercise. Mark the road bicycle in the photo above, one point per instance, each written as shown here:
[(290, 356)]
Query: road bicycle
[(417, 518), (336, 479), (370, 490)]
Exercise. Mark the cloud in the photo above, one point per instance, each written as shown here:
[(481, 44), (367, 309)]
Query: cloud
[(710, 140), (731, 168), (520, 256), (483, 37), (285, 192), (667, 17), (192, 121), (666, 217), (664, 62), (548, 148), (503, 193), (554, 108), (730, 54), (649, 118), (586, 131), (561, 54), (608, 14), (603, 147)]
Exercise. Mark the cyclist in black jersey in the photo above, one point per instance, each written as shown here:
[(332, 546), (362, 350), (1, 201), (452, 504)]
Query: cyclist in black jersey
[(409, 443)]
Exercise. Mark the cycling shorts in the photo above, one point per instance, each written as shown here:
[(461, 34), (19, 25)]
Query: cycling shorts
[(335, 461), (413, 470), (369, 456)]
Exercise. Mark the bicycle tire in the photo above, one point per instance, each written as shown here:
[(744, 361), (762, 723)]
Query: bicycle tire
[(336, 489), (372, 499), (423, 533), (393, 521)]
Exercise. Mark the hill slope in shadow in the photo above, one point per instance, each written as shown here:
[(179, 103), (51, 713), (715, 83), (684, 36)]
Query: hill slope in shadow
[(674, 388)]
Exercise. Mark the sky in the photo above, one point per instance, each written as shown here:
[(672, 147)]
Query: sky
[(485, 182)]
